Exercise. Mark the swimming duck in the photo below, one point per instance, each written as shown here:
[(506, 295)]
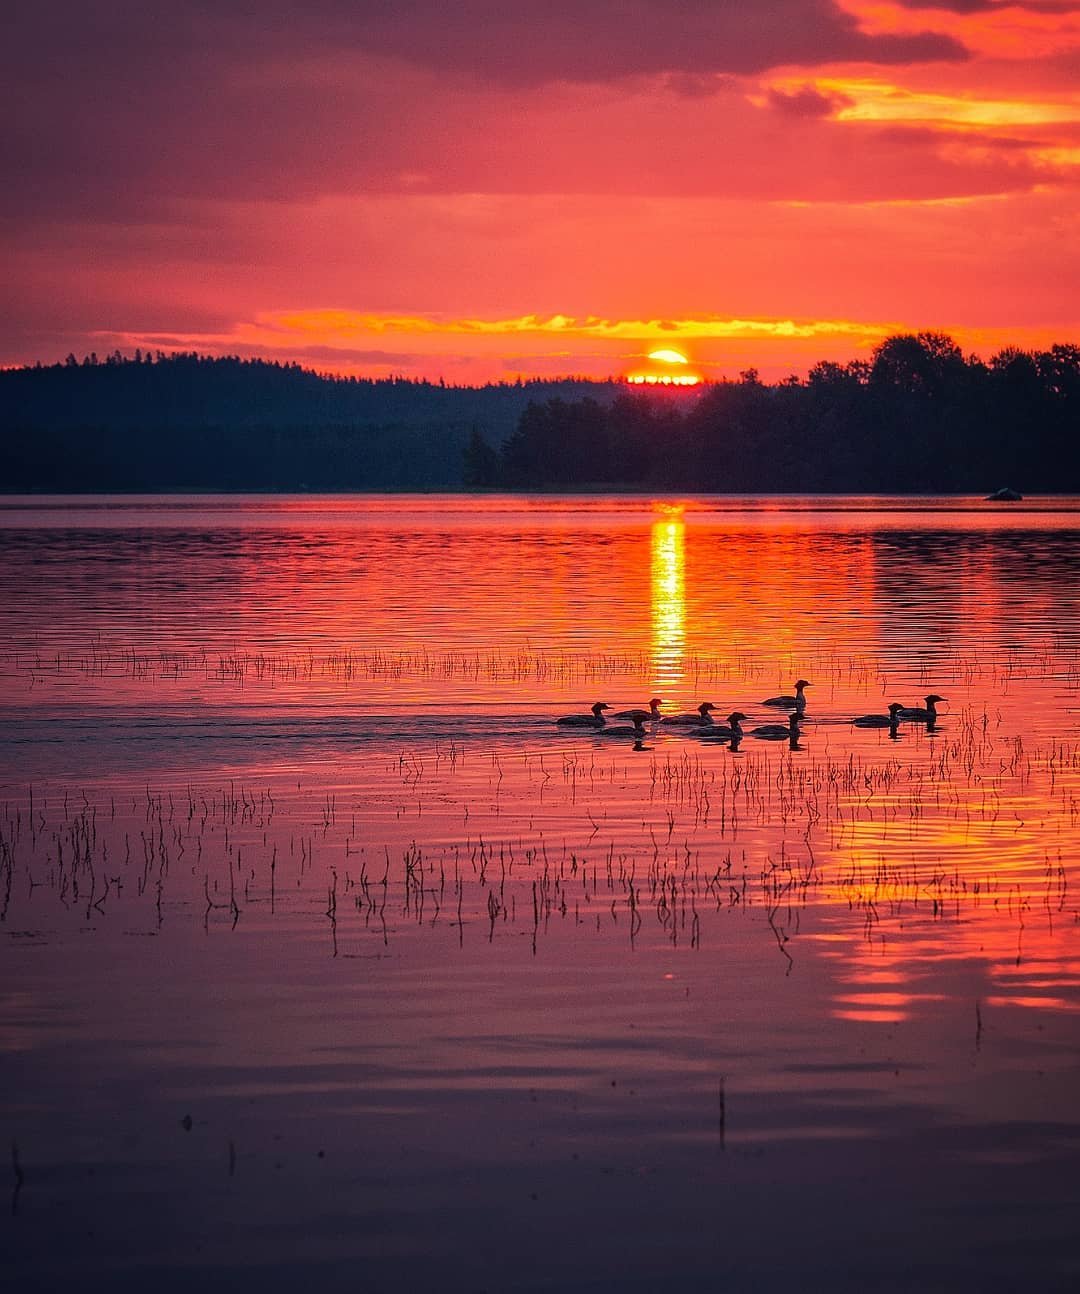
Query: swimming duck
[(916, 714), (653, 711), (779, 731), (798, 701), (637, 732), (889, 720), (594, 720), (701, 716), (730, 731)]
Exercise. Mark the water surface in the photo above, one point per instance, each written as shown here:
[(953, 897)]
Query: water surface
[(328, 955)]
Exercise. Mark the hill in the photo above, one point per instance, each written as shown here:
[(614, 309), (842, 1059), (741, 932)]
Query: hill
[(178, 422)]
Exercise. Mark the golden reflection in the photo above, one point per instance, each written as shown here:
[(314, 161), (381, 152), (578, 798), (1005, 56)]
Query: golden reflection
[(668, 580), (999, 906)]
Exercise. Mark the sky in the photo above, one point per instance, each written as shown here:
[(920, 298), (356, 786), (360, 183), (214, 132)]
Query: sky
[(482, 191)]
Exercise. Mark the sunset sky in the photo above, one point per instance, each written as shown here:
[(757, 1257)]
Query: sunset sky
[(480, 191)]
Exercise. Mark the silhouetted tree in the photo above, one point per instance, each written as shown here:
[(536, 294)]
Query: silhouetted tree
[(559, 443), (918, 417), (481, 462), (917, 364)]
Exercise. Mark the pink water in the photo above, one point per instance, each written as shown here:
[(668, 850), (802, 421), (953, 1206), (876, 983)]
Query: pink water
[(327, 955)]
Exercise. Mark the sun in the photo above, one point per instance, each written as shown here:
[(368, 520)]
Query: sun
[(659, 373)]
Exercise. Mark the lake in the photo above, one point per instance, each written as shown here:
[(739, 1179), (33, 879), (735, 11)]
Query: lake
[(326, 955)]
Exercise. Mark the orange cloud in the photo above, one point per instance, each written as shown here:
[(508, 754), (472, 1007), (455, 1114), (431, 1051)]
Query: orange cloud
[(1005, 31), (347, 324), (867, 100), (477, 350)]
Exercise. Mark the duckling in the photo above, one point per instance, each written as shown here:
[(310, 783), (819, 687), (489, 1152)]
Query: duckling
[(889, 720), (731, 731), (916, 714), (637, 732), (594, 720), (779, 731), (653, 712), (701, 716), (798, 701)]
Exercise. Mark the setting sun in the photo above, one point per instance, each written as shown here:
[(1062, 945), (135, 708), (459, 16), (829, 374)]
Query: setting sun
[(660, 375)]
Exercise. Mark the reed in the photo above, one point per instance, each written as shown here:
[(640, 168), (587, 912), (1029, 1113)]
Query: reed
[(937, 832), (345, 665)]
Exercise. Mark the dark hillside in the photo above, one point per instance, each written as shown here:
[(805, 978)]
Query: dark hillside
[(919, 417), (191, 422)]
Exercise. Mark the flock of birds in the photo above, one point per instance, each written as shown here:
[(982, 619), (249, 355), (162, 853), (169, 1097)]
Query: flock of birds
[(700, 722)]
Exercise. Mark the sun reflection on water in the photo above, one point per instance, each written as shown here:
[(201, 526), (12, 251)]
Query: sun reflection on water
[(668, 584)]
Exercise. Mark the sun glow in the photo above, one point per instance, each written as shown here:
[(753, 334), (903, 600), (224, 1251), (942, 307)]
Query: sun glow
[(660, 376)]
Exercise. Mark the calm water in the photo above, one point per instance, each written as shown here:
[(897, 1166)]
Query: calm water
[(326, 955)]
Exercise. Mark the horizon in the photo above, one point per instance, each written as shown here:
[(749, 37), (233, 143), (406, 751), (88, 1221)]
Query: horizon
[(629, 371), (661, 376), (489, 196)]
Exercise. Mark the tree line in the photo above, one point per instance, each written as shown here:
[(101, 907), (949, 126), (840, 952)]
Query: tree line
[(189, 422), (917, 417)]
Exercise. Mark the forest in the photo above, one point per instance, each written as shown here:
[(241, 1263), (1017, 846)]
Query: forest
[(918, 416), (190, 422)]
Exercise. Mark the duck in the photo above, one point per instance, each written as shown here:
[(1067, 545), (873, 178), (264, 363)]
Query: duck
[(653, 712), (594, 720), (779, 731), (798, 701), (700, 717), (889, 720), (916, 713), (637, 731), (731, 731)]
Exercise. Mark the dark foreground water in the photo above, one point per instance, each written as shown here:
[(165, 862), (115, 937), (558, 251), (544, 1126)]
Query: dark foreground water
[(327, 958)]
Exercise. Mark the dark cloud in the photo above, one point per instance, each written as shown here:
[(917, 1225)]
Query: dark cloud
[(956, 6), (603, 40), (693, 85), (49, 327), (334, 356), (807, 101), (118, 314), (114, 110), (141, 51)]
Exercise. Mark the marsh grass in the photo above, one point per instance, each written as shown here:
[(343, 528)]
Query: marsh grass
[(343, 666), (966, 827)]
